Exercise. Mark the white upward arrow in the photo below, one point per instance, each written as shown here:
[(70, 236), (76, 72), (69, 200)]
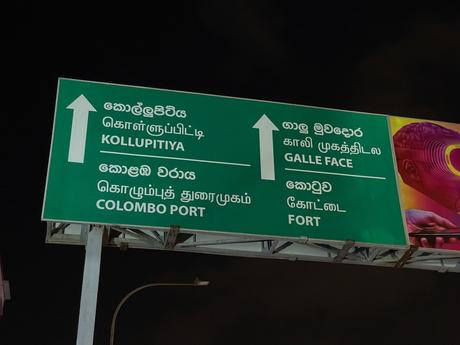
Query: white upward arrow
[(267, 160), (81, 108)]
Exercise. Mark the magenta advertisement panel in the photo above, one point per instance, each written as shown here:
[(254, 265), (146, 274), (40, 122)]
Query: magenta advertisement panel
[(428, 165)]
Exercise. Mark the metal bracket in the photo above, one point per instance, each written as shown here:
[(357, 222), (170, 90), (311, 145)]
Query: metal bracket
[(274, 246), (406, 256), (443, 268), (141, 235), (213, 242), (53, 228), (282, 247), (110, 235), (268, 246), (171, 237), (373, 253), (344, 251), (123, 246)]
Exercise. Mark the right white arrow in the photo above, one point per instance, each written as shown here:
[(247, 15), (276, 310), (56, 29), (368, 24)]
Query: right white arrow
[(267, 159)]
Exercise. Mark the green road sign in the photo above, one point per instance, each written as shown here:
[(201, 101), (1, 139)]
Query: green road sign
[(149, 157)]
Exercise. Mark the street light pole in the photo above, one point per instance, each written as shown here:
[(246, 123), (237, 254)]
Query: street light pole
[(197, 282)]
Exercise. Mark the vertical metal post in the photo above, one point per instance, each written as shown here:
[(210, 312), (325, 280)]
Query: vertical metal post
[(4, 291), (88, 301)]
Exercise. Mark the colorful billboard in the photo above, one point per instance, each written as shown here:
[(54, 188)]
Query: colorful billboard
[(428, 164)]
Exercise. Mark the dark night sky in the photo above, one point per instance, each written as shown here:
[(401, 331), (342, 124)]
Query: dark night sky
[(399, 61)]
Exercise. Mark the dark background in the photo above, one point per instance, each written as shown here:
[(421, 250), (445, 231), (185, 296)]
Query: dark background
[(394, 60)]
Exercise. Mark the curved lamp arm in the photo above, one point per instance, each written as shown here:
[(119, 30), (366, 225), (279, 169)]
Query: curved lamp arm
[(197, 282)]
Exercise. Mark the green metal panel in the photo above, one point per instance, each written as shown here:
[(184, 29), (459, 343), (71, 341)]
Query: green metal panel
[(150, 157)]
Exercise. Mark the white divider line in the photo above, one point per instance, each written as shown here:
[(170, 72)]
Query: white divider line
[(340, 174), (175, 158)]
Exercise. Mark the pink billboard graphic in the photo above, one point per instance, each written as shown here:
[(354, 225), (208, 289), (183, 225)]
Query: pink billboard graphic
[(428, 164)]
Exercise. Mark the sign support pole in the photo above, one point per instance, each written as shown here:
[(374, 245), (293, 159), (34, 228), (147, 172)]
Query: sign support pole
[(88, 301)]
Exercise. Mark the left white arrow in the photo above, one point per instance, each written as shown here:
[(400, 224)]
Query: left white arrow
[(267, 160), (81, 108)]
